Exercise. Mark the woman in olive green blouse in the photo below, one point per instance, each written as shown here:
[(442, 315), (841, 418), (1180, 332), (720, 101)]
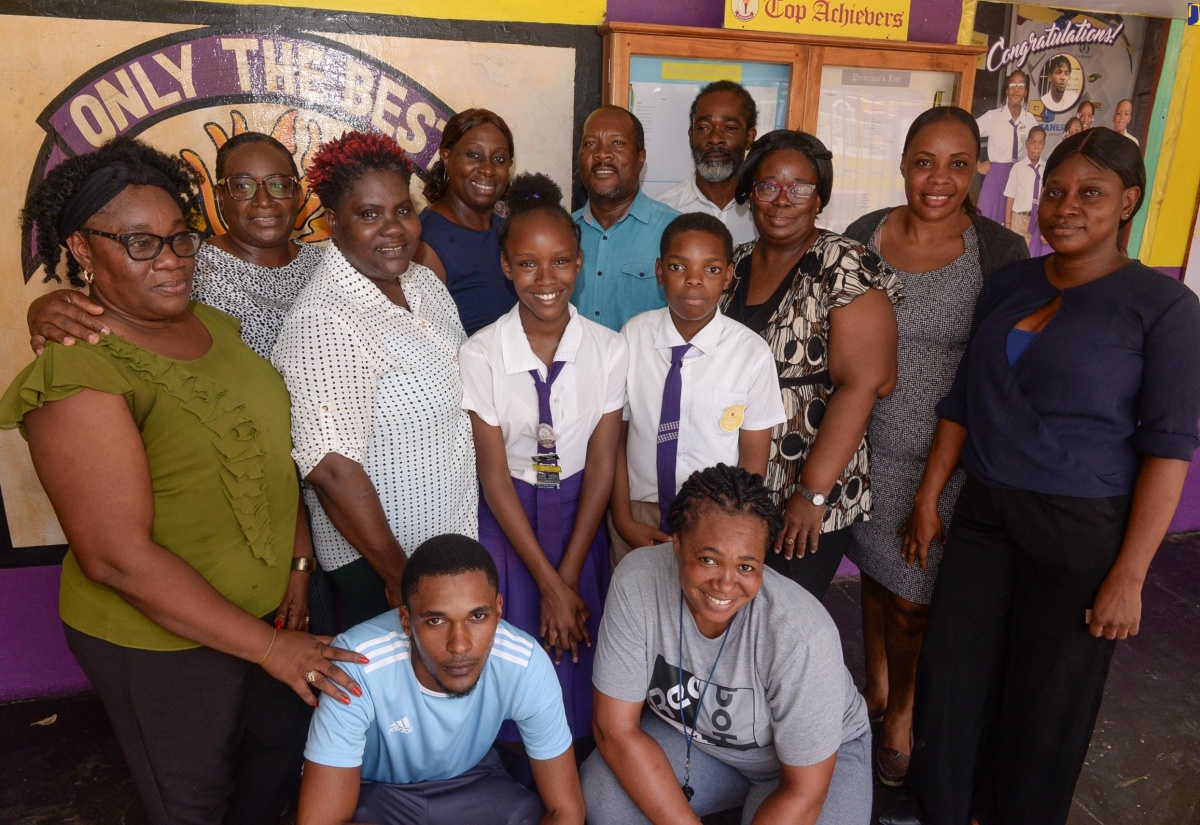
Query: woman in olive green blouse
[(165, 451)]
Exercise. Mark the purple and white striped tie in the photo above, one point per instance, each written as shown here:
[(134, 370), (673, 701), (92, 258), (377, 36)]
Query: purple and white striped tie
[(668, 433)]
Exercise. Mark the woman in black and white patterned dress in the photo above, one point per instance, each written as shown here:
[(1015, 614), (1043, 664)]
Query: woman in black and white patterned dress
[(941, 250), (824, 306)]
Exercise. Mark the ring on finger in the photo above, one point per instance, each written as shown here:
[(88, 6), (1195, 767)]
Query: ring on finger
[(312, 676), (790, 541)]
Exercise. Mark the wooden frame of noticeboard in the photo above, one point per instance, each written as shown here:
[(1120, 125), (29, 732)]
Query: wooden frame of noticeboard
[(795, 67), (805, 55)]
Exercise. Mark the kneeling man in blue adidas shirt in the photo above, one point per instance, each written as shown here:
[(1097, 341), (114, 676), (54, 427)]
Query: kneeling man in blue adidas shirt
[(445, 671)]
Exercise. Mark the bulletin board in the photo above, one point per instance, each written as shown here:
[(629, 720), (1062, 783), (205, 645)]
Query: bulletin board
[(858, 96), (661, 91)]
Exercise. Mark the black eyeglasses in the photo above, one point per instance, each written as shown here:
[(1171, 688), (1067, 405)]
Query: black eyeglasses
[(142, 246), (797, 193), (244, 187)]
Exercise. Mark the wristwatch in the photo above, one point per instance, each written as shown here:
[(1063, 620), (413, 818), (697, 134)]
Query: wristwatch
[(304, 563), (816, 498)]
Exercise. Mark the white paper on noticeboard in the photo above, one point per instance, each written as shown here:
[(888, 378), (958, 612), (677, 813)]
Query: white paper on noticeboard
[(864, 128), (663, 109)]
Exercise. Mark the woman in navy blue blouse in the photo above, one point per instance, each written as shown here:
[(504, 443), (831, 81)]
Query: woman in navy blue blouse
[(1074, 412)]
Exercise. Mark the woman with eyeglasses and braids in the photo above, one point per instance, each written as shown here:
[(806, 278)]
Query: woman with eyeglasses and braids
[(824, 305), (165, 450)]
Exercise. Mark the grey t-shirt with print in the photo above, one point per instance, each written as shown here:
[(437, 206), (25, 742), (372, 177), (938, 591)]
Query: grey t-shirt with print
[(780, 691)]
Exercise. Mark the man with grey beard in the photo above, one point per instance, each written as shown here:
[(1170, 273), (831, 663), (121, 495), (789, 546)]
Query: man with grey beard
[(723, 120)]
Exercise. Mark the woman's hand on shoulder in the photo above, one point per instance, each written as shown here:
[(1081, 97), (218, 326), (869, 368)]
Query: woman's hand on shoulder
[(64, 316), (301, 660)]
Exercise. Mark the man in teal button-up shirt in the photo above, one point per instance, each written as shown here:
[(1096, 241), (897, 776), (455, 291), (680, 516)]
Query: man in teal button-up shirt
[(621, 226)]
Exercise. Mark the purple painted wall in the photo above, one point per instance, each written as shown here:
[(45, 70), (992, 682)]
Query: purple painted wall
[(932, 21)]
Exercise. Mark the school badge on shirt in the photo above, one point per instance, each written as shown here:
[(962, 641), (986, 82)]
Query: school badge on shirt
[(732, 418)]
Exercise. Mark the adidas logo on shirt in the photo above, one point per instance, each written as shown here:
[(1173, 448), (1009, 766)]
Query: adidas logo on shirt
[(401, 726)]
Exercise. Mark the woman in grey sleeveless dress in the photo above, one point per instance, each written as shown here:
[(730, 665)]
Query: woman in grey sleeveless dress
[(942, 251)]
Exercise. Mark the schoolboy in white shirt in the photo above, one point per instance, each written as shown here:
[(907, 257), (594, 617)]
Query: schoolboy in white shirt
[(1023, 190), (702, 389)]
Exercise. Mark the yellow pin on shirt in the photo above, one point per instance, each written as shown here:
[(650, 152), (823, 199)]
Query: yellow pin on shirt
[(732, 418)]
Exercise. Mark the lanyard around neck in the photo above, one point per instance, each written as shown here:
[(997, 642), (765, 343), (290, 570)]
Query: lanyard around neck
[(688, 737)]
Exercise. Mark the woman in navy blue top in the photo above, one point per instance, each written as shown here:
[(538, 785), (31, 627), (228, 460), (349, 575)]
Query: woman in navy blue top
[(460, 231), (1074, 412)]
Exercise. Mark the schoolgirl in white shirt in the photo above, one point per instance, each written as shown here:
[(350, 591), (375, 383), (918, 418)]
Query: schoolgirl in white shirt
[(1005, 130), (546, 463)]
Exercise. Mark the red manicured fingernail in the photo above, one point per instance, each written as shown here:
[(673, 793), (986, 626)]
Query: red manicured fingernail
[(356, 690), (362, 660), (345, 700), (279, 624)]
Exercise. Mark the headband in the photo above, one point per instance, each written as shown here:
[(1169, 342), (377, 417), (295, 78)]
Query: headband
[(102, 186)]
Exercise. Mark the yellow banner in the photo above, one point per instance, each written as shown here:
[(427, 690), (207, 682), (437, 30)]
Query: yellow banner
[(873, 19), (706, 72), (572, 12)]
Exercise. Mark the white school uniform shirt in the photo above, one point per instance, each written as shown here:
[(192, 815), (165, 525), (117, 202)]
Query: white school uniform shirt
[(1020, 184), (729, 384), (687, 197), (498, 388), (379, 384), (996, 127)]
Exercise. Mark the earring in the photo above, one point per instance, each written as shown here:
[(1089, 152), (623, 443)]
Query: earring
[(87, 276)]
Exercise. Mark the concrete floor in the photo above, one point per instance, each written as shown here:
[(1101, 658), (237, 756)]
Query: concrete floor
[(1143, 767)]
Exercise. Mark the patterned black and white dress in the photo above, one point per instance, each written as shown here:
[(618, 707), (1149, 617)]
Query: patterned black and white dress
[(934, 324), (259, 295), (795, 323)]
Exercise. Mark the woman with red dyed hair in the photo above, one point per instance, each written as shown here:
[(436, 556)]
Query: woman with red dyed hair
[(369, 352)]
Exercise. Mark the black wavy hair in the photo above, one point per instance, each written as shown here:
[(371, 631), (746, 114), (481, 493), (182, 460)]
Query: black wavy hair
[(696, 222), (749, 107), (1056, 61), (531, 194), (45, 205), (437, 181), (730, 490), (250, 138), (780, 139), (446, 555), (1105, 149)]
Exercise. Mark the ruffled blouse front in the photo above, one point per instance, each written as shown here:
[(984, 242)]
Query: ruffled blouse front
[(216, 430)]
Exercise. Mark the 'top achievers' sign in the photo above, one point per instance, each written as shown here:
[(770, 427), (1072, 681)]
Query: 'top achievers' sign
[(874, 19)]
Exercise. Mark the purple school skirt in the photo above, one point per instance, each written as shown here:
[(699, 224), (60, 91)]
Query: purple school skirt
[(992, 202), (523, 600)]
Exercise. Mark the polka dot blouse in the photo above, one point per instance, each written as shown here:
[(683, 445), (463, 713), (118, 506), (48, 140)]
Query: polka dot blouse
[(380, 385)]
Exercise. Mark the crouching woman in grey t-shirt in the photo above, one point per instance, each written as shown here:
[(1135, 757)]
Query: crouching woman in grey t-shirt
[(719, 682)]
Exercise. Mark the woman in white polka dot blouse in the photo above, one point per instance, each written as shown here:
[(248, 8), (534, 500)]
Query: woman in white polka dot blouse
[(369, 352)]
